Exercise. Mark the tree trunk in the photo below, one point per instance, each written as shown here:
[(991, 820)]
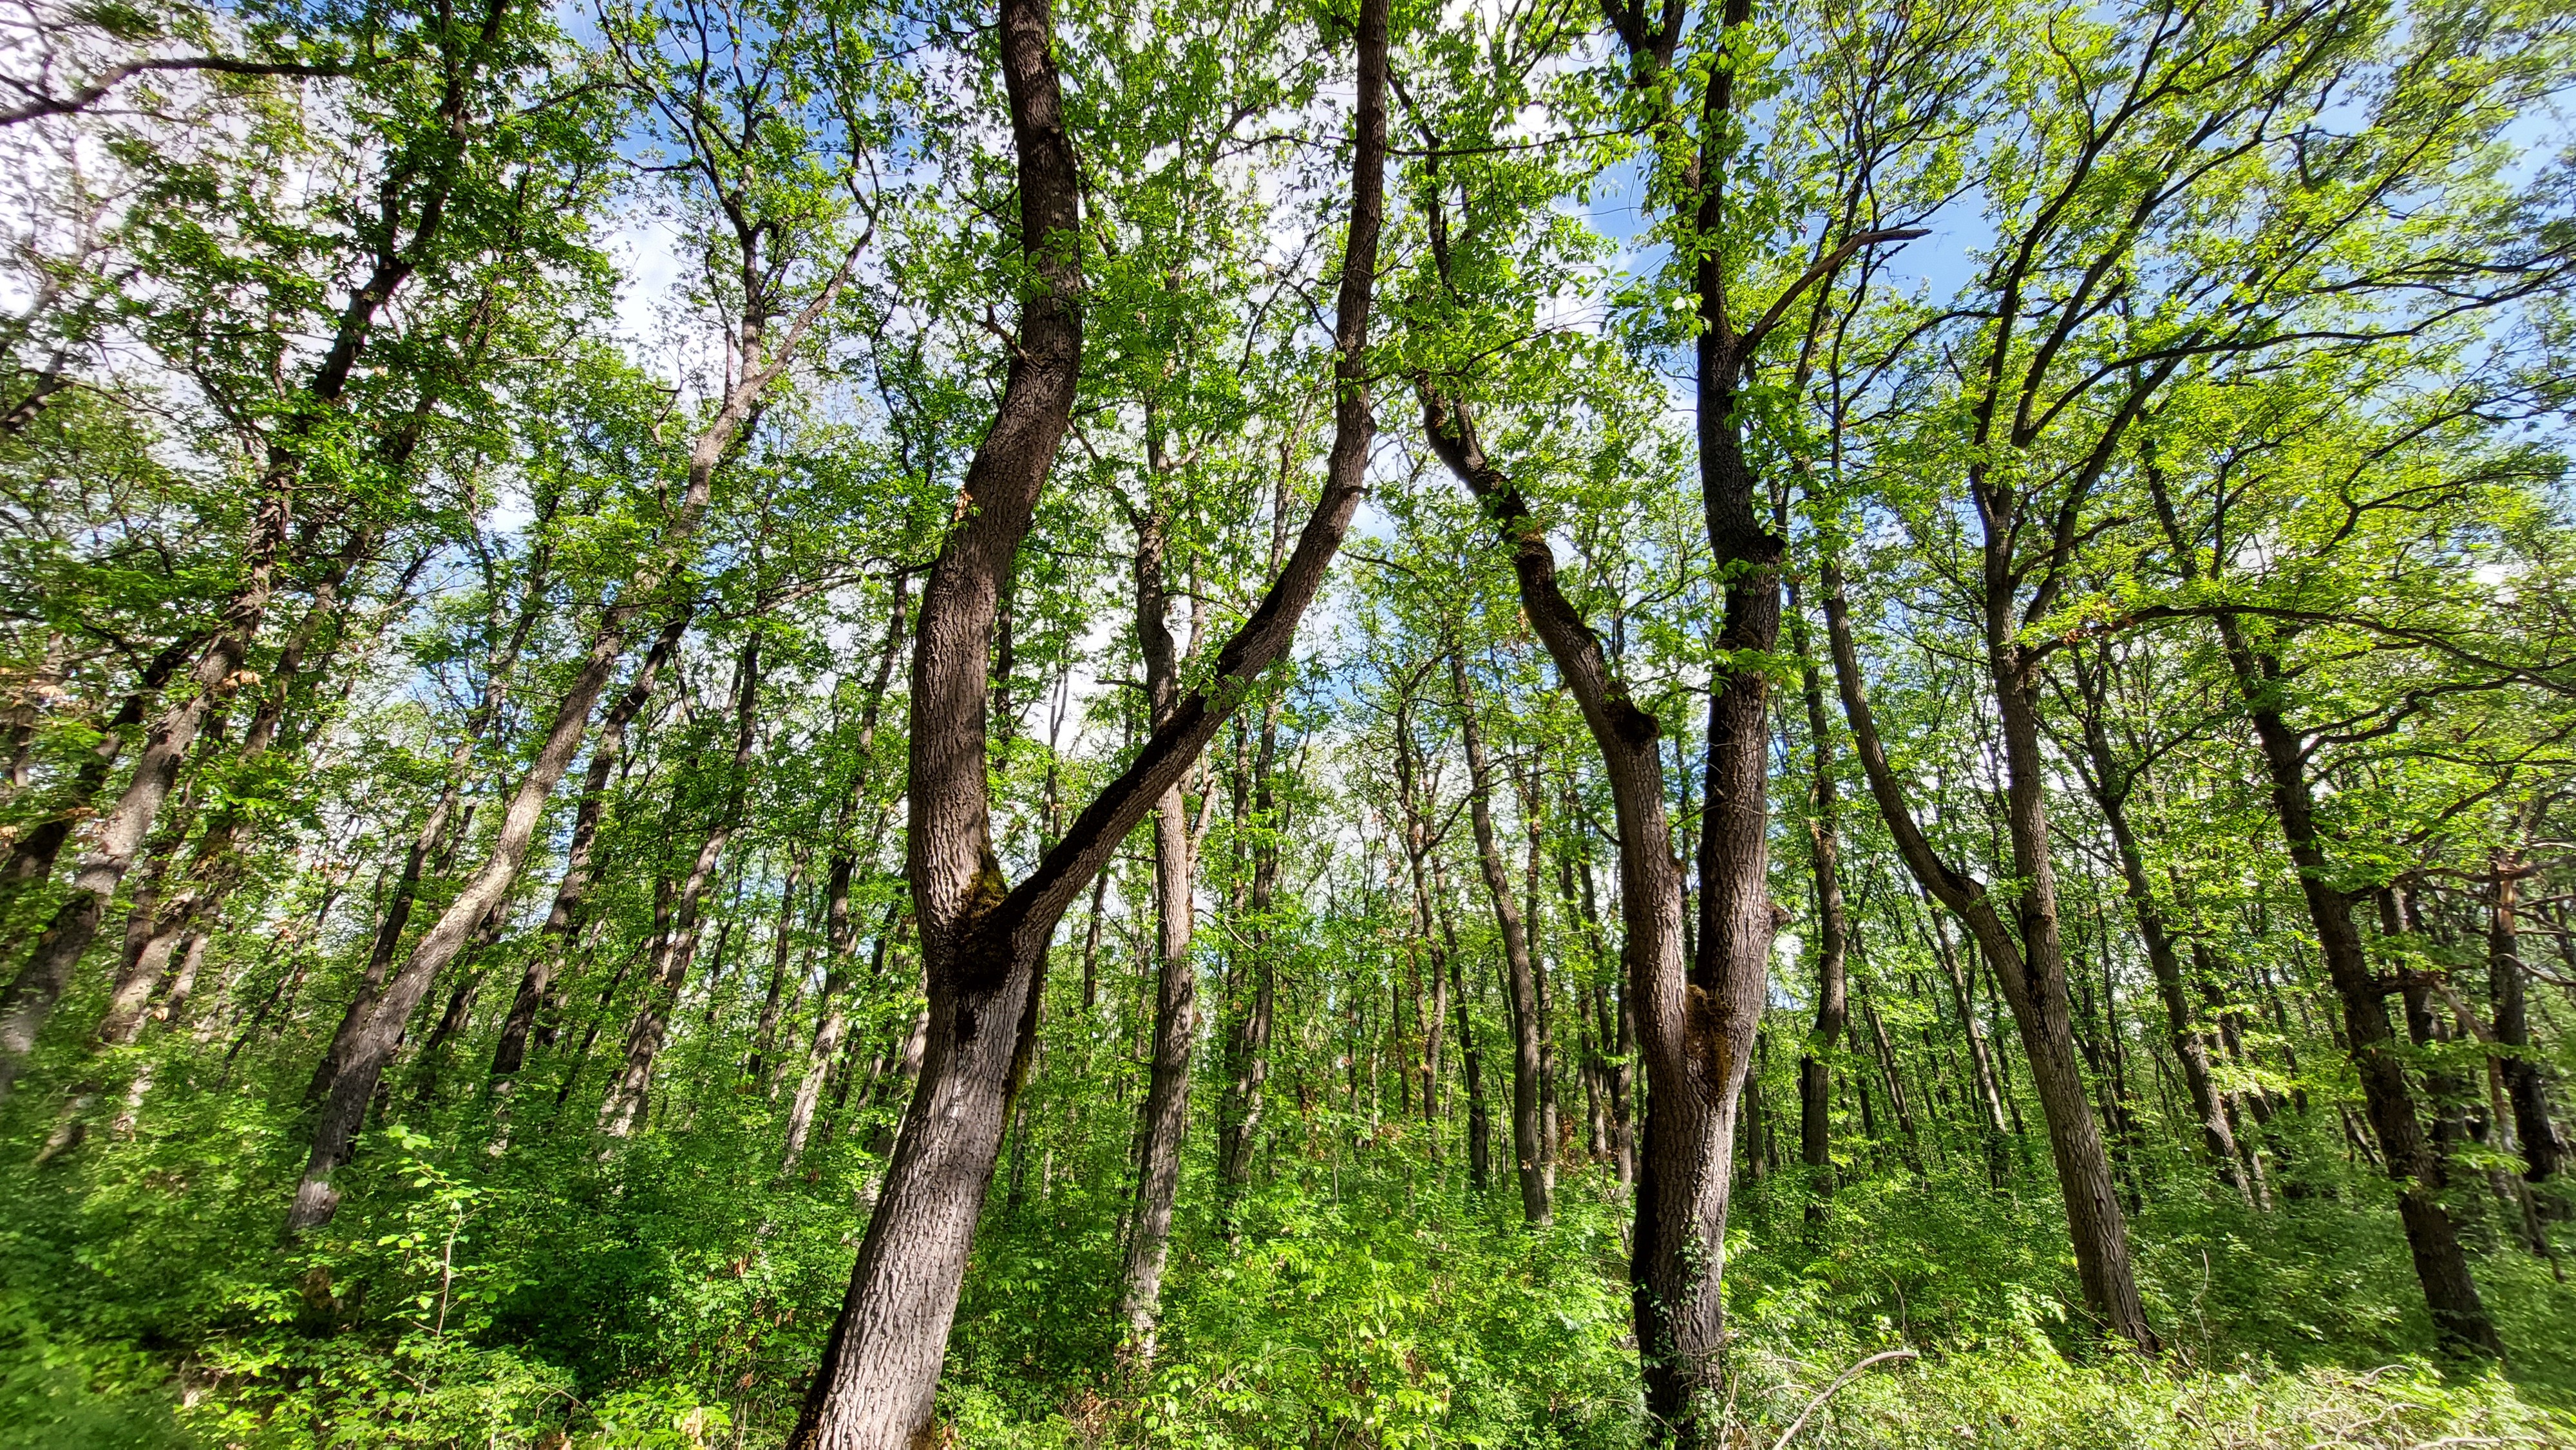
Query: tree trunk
[(984, 943), (1166, 1112), (2110, 786), (2459, 1315), (1679, 1245), (1533, 1156), (2525, 1090), (621, 1114), (1833, 932), (564, 918), (2033, 984), (218, 673), (774, 1001)]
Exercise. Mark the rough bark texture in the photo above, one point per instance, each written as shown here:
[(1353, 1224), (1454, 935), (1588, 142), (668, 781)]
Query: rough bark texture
[(983, 942)]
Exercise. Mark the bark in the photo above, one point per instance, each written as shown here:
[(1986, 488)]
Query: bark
[(1248, 1046), (1534, 1157), (1833, 932), (2525, 1090), (983, 942), (621, 1113), (572, 892), (832, 1022), (32, 859), (2033, 981), (2110, 786), (1678, 1250), (2432, 1239), (1166, 1112)]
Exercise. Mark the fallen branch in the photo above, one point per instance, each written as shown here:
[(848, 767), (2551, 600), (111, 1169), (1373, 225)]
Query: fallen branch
[(1845, 1378)]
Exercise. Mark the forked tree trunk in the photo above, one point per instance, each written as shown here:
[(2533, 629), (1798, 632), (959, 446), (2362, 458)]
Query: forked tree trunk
[(1534, 1158), (983, 942)]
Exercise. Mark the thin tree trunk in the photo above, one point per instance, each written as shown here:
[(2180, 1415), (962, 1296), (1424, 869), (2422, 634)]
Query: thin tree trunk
[(621, 1114), (218, 673), (2525, 1090), (1833, 932), (2441, 1265), (1533, 1155), (774, 1000), (572, 893), (2110, 786)]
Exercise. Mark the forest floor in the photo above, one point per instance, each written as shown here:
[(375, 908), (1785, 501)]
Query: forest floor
[(676, 1296)]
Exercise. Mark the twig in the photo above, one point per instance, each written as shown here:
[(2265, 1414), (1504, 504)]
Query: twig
[(1845, 1378)]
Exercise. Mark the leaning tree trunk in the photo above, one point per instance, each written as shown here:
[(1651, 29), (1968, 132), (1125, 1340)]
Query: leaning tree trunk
[(984, 943), (621, 1113), (2029, 968), (40, 985), (572, 892), (2110, 788), (2441, 1265), (1533, 1155)]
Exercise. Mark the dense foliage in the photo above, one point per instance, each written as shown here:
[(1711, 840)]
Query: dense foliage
[(1333, 725)]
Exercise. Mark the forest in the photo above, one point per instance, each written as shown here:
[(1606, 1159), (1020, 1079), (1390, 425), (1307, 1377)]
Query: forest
[(862, 724)]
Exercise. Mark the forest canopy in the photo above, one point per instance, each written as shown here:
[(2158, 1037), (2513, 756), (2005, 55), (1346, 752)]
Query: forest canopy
[(866, 724)]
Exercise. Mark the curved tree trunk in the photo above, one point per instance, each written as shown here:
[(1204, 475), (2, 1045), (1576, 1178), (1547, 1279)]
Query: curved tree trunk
[(2029, 968), (984, 943)]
